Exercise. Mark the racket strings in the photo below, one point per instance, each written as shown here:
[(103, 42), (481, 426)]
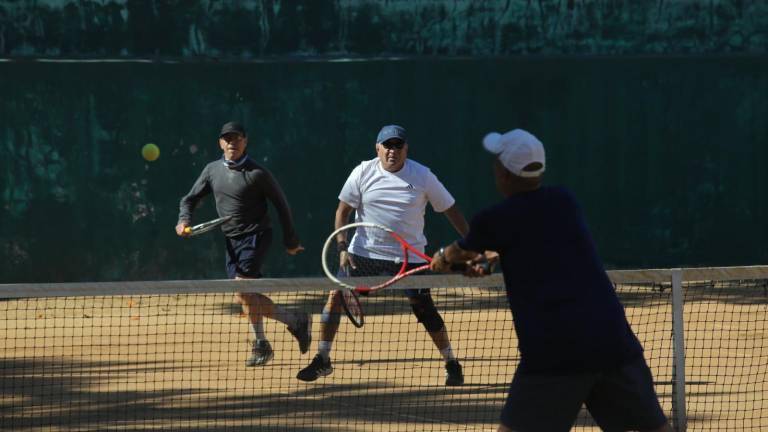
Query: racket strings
[(373, 257)]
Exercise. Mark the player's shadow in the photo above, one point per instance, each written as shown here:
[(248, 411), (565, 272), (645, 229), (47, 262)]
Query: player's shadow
[(44, 393), (63, 394)]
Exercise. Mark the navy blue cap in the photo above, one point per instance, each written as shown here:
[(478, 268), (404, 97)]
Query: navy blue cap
[(389, 132), (232, 127)]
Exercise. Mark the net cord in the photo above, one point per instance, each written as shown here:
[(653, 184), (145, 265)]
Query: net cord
[(270, 285)]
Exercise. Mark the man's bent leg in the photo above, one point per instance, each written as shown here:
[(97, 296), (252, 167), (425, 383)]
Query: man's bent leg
[(257, 305), (425, 311), (261, 352)]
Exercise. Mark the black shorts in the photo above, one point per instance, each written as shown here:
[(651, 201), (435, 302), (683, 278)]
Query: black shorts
[(619, 399), (377, 267), (246, 253)]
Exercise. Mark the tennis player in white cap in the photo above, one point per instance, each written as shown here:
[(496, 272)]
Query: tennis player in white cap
[(576, 346)]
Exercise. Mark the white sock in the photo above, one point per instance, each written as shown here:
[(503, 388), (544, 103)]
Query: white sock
[(447, 353), (258, 330), (286, 317), (324, 349)]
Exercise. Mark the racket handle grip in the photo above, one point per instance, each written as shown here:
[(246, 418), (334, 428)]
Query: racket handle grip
[(187, 230)]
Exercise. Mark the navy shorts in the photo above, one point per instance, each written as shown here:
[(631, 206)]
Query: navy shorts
[(246, 253), (377, 267), (619, 399)]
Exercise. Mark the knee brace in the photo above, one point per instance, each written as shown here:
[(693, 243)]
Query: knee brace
[(426, 312), (330, 317)]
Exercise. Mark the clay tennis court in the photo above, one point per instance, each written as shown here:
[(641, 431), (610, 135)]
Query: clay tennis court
[(176, 362)]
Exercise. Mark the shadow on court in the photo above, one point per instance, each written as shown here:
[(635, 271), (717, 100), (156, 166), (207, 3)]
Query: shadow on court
[(176, 362), (394, 302), (49, 394), (78, 396)]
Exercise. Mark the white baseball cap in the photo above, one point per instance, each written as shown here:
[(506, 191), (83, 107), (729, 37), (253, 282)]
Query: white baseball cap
[(516, 150)]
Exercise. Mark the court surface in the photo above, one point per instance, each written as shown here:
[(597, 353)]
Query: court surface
[(176, 362)]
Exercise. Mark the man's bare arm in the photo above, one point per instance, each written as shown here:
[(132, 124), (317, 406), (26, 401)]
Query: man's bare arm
[(456, 218)]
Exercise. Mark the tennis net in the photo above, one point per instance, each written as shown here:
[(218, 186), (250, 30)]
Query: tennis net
[(171, 355)]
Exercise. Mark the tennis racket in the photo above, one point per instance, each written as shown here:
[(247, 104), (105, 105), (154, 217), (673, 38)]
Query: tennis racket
[(376, 258), (206, 226), (350, 302)]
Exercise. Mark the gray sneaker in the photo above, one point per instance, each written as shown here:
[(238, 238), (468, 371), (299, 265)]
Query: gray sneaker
[(318, 368), (302, 331), (453, 374), (261, 354)]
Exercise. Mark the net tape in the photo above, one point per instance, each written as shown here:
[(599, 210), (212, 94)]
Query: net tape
[(268, 285)]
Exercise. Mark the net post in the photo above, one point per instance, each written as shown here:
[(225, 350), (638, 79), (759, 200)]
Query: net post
[(680, 420)]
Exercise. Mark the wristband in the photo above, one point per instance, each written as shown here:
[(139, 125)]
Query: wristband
[(441, 253), (341, 246)]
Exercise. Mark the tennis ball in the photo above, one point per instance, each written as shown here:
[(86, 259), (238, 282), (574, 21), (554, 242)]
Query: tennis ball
[(150, 152)]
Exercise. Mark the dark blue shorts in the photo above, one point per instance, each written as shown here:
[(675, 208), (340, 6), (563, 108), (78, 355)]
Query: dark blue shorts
[(377, 267), (619, 399), (246, 253)]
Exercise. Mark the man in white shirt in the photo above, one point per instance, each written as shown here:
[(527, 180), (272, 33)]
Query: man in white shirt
[(393, 191)]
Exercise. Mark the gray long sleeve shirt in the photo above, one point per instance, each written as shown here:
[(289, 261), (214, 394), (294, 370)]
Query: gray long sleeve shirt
[(241, 192)]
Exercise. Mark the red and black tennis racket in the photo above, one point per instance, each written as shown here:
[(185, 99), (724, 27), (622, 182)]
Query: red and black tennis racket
[(366, 257)]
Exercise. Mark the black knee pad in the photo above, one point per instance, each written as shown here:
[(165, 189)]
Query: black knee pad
[(426, 312)]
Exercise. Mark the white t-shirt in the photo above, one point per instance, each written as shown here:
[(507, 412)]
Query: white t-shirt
[(397, 201)]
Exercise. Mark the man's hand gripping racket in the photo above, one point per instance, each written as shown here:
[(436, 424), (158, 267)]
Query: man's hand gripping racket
[(191, 231)]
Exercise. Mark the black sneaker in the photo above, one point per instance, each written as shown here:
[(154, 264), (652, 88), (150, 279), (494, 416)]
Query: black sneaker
[(303, 332), (318, 368), (453, 375), (261, 354)]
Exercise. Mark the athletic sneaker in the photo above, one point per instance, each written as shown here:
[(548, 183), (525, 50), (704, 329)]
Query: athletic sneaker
[(261, 354), (453, 375), (318, 368), (303, 332)]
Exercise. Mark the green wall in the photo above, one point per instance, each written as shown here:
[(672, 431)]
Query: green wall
[(248, 29), (666, 154)]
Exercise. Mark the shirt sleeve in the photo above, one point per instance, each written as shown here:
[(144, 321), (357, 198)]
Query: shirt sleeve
[(190, 201), (437, 194), (351, 192), (275, 194), (480, 237)]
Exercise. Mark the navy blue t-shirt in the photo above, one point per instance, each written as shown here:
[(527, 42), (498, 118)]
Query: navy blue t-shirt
[(567, 316)]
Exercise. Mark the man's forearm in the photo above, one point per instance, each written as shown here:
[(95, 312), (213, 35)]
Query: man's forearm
[(457, 220), (342, 218)]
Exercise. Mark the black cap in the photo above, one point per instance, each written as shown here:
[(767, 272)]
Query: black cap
[(232, 127)]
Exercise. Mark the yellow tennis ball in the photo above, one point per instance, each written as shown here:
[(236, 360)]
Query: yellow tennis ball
[(150, 152)]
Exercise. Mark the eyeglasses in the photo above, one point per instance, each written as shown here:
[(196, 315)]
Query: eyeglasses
[(393, 144)]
